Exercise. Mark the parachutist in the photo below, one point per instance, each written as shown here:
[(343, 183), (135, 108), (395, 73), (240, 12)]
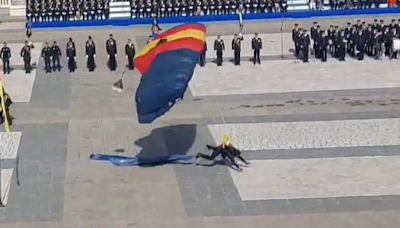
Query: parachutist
[(226, 150)]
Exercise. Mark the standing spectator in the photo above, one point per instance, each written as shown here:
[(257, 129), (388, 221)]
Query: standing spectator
[(219, 47), (46, 55), (111, 46), (56, 53), (203, 55), (5, 55), (26, 56), (90, 54), (256, 44), (71, 54), (236, 46), (130, 54)]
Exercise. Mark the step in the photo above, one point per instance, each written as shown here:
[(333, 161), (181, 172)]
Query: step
[(120, 9), (296, 8), (118, 4), (120, 15)]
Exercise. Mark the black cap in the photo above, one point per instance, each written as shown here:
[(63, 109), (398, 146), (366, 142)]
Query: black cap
[(376, 20), (296, 24), (315, 22), (318, 26), (322, 31), (393, 20), (358, 21), (304, 30), (363, 22), (381, 20), (348, 23)]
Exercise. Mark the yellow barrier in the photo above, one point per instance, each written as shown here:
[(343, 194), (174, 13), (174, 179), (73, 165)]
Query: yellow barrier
[(3, 106)]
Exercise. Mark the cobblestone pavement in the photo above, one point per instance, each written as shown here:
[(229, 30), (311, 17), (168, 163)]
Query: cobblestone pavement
[(323, 140)]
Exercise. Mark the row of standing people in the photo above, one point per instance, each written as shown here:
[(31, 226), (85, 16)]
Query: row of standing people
[(219, 48), (355, 40), (52, 54)]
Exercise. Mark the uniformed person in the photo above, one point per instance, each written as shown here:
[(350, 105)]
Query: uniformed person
[(71, 54), (305, 45), (90, 54), (323, 45), (360, 45), (341, 45), (314, 34), (236, 47), (295, 35), (5, 55), (256, 45), (26, 56), (56, 53), (219, 47), (203, 55), (111, 45), (46, 55), (130, 54)]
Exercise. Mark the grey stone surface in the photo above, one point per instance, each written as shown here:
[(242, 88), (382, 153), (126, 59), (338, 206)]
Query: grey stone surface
[(80, 112), (41, 171)]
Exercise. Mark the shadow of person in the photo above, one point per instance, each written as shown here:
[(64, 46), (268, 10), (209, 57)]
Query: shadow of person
[(164, 142)]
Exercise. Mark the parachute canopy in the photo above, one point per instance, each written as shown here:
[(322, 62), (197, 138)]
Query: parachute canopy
[(167, 64)]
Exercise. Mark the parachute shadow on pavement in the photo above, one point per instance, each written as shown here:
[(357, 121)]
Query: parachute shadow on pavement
[(166, 141)]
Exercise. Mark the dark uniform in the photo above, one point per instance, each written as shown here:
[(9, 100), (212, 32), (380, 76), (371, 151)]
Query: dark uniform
[(5, 55), (130, 54), (295, 36), (360, 45), (219, 47), (341, 46), (26, 56), (203, 55), (256, 45), (323, 46), (90, 54), (305, 45), (236, 47), (46, 55), (314, 35), (56, 53), (71, 53), (112, 53)]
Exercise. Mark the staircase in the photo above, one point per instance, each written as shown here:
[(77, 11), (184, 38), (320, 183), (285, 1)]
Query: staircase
[(120, 9), (294, 5)]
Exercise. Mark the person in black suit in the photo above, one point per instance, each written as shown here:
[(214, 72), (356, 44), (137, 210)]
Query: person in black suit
[(46, 55), (5, 55), (130, 54), (111, 45), (56, 53), (219, 47), (26, 56), (256, 44), (236, 47), (90, 54), (203, 55), (71, 54)]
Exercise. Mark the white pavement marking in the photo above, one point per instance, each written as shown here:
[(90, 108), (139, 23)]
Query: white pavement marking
[(312, 134), (12, 25), (6, 175), (19, 85), (9, 144), (287, 76), (16, 53), (319, 178)]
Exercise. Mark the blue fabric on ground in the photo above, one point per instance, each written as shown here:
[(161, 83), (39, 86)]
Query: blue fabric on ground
[(137, 161), (210, 18)]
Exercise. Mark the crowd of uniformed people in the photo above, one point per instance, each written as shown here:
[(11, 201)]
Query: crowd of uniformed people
[(69, 10), (355, 40), (52, 55)]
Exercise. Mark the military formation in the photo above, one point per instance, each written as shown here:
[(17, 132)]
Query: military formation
[(61, 10), (219, 48), (355, 40), (52, 55)]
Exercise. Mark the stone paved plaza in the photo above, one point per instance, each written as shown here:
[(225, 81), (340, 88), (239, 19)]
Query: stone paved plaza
[(323, 140)]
